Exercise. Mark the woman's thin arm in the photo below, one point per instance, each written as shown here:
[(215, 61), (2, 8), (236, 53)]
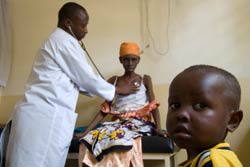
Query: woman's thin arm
[(98, 118), (150, 92)]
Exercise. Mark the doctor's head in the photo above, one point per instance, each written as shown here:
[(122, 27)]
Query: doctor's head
[(73, 18)]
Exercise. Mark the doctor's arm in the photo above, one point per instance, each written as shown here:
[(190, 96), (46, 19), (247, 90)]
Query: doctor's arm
[(74, 63)]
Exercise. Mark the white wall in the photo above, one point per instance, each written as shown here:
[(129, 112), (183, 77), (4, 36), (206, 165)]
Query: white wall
[(215, 32)]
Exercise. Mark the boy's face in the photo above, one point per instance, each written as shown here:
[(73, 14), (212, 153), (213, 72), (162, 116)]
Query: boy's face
[(197, 116)]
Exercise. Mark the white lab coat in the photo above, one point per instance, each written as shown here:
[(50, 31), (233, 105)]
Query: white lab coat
[(44, 120)]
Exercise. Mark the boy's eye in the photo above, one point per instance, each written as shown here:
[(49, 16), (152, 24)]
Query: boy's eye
[(174, 106), (199, 106)]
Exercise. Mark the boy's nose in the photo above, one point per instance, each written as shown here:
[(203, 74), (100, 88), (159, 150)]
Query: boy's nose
[(183, 115)]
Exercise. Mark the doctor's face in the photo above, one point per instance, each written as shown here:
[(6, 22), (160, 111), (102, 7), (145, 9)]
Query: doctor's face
[(79, 24)]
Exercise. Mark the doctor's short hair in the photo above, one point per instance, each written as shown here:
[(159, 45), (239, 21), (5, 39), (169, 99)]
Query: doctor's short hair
[(68, 10), (231, 85)]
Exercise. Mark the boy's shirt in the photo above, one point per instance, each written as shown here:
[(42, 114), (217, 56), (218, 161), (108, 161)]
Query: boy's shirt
[(218, 156)]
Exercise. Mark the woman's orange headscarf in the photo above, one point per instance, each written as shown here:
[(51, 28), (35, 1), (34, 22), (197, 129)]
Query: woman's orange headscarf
[(129, 48)]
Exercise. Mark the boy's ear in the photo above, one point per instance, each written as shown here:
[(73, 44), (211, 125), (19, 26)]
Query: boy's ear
[(235, 119)]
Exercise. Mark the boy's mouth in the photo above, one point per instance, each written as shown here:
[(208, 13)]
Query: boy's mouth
[(181, 131)]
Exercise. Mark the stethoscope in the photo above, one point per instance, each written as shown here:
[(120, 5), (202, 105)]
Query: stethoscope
[(136, 83), (84, 48)]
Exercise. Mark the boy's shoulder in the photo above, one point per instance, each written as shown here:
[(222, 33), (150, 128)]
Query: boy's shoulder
[(219, 155)]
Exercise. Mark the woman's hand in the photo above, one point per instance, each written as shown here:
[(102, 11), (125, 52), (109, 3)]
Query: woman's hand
[(161, 132)]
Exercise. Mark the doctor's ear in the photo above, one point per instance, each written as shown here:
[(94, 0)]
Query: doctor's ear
[(235, 119), (68, 23)]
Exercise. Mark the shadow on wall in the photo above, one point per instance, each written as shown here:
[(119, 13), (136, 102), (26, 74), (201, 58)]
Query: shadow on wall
[(242, 150)]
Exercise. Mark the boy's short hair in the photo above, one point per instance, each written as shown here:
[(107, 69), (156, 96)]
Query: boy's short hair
[(231, 84)]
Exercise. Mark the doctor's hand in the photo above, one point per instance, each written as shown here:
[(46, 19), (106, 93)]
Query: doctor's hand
[(126, 89)]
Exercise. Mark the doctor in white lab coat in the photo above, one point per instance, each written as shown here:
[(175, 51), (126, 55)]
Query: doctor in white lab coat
[(43, 121)]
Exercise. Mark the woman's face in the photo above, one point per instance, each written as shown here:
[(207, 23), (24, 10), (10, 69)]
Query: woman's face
[(129, 62)]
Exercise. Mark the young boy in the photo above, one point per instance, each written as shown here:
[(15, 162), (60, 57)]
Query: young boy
[(204, 105)]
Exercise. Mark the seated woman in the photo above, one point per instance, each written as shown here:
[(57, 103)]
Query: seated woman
[(118, 143)]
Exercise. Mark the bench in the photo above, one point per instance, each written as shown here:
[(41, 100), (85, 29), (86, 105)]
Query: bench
[(153, 148)]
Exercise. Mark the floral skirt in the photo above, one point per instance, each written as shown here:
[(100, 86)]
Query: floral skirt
[(132, 157), (115, 136)]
